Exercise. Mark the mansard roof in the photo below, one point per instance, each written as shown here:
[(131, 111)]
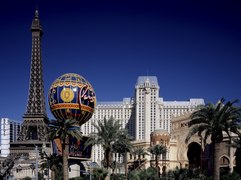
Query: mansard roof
[(143, 79)]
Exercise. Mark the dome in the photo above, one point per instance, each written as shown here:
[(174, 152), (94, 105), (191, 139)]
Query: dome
[(160, 136), (71, 96)]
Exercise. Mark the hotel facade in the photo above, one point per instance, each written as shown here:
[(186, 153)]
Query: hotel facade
[(9, 130), (142, 114)]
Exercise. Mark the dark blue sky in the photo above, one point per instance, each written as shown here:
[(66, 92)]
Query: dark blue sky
[(193, 47)]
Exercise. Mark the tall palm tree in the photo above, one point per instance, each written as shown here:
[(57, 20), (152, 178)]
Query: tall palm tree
[(157, 150), (63, 129), (212, 120), (107, 132), (122, 146), (139, 152)]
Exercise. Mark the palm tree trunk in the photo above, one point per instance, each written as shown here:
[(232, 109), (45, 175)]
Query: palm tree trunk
[(139, 161), (216, 170), (65, 160), (125, 159), (107, 157), (157, 173)]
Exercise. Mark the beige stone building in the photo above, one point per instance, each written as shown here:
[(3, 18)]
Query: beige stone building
[(191, 155)]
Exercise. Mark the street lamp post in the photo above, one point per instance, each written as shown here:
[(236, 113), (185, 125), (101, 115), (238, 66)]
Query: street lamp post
[(36, 168)]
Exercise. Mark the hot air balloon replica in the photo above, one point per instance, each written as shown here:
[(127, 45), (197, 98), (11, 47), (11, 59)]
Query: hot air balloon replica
[(71, 96)]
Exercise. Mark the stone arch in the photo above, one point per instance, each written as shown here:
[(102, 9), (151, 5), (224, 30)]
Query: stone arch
[(33, 133), (224, 163), (194, 155)]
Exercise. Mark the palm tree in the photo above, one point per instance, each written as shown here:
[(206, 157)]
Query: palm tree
[(157, 150), (139, 152), (122, 146), (63, 129), (107, 133), (211, 121)]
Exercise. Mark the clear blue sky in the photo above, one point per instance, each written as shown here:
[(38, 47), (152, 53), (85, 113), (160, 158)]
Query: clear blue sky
[(193, 47)]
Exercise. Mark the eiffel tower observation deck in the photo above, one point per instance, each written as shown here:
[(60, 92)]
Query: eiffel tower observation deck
[(34, 129)]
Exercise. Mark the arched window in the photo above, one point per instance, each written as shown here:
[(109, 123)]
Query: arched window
[(223, 161), (224, 165)]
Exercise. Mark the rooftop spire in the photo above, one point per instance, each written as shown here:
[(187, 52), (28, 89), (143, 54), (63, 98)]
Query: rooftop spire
[(36, 26), (36, 12), (36, 99)]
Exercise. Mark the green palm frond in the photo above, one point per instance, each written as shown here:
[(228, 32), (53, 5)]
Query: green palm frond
[(139, 151), (123, 144), (214, 119), (64, 128), (158, 149), (109, 134)]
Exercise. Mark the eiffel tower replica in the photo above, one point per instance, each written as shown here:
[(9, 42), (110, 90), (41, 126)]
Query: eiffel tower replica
[(34, 129)]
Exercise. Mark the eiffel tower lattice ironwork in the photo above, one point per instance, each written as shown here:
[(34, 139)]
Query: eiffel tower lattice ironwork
[(34, 126)]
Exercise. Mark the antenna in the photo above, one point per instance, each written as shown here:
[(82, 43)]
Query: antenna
[(36, 12), (147, 72), (36, 7)]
